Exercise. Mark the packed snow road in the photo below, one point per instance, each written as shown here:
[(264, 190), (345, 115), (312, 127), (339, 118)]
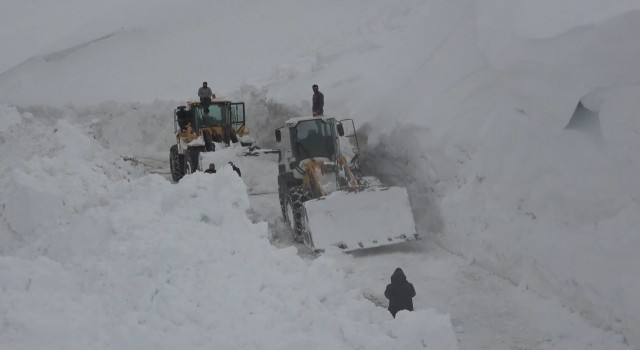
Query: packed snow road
[(487, 311)]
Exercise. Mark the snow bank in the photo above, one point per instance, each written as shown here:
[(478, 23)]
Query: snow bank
[(547, 206), (259, 170), (96, 255), (48, 171), (140, 129)]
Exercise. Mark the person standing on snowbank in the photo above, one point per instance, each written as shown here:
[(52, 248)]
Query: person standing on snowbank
[(317, 106), (400, 293)]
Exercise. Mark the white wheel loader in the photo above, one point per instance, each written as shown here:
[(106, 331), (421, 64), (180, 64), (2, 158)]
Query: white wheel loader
[(325, 198)]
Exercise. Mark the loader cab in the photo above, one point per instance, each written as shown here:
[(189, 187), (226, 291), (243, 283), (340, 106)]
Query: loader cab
[(313, 138), (210, 115), (215, 114)]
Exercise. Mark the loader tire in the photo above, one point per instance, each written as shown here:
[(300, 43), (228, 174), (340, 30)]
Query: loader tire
[(306, 232), (176, 163), (282, 196), (295, 210)]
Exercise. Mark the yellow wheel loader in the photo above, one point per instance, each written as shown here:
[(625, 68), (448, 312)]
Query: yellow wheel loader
[(199, 126), (324, 196)]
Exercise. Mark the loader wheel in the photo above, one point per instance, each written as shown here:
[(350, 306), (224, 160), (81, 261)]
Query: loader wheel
[(283, 202), (306, 231), (294, 210), (176, 163), (209, 146)]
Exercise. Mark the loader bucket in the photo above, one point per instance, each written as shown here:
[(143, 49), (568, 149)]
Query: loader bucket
[(360, 220)]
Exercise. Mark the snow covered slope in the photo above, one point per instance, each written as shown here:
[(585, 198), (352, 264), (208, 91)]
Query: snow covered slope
[(94, 254), (469, 104)]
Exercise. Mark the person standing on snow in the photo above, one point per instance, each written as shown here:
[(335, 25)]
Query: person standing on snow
[(205, 93), (236, 169), (317, 107), (400, 293)]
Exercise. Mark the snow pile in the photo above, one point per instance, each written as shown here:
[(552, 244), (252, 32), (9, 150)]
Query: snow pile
[(258, 168), (130, 129), (95, 255), (50, 173)]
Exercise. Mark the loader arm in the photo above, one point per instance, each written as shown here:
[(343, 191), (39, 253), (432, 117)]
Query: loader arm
[(351, 179), (311, 179)]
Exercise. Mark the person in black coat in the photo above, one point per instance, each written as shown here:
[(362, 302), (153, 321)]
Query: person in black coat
[(317, 101), (236, 169), (400, 293)]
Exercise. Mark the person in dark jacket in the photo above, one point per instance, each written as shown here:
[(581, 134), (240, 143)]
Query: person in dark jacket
[(205, 93), (400, 293), (212, 169), (317, 107), (236, 169)]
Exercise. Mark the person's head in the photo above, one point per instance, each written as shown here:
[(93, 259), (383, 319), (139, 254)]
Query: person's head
[(315, 87), (212, 166), (231, 163), (398, 276), (204, 84)]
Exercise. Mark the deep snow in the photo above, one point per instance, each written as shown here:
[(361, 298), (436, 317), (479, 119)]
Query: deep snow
[(466, 103), (97, 255)]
